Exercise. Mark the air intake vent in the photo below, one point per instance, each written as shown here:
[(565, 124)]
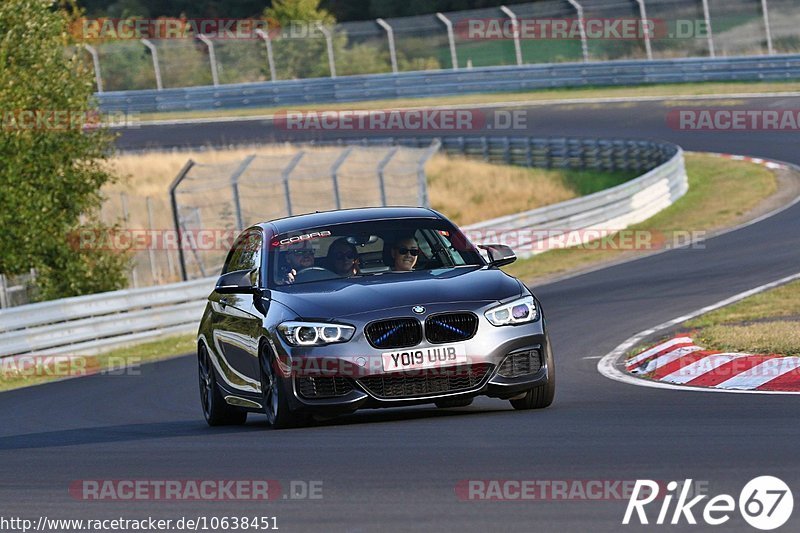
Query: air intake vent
[(323, 386), (520, 364), (427, 382), (450, 327), (394, 333)]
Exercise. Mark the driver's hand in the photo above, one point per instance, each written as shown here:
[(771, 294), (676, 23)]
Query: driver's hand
[(290, 277)]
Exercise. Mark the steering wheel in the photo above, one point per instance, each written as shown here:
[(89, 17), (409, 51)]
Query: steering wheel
[(314, 273)]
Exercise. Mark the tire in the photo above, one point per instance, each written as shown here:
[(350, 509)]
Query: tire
[(541, 396), (276, 406), (216, 410), (448, 403)]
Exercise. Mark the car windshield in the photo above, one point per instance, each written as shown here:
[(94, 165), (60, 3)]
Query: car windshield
[(368, 248)]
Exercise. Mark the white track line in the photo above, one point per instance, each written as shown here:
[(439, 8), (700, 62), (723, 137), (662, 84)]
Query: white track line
[(612, 364)]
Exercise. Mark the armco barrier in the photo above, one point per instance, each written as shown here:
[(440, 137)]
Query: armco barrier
[(448, 82), (609, 210), (87, 324)]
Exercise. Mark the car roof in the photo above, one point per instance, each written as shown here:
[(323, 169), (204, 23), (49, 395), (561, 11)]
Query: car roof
[(343, 216)]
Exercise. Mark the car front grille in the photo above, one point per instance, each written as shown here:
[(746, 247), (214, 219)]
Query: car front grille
[(426, 382), (394, 333), (323, 386), (520, 364), (450, 327)]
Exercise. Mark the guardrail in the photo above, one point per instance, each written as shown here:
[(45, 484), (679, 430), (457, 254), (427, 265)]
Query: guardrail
[(583, 219), (443, 83), (88, 324)]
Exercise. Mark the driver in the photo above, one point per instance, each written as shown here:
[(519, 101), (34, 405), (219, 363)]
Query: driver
[(298, 257)]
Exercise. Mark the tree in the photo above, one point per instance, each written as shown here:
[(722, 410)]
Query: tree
[(301, 52), (51, 168)]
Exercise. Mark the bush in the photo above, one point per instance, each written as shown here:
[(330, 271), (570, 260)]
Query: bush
[(52, 168)]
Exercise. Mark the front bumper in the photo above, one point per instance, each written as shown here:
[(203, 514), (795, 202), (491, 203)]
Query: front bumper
[(488, 349)]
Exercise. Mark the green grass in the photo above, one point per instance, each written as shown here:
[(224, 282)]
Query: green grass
[(720, 193), (781, 302), (585, 182), (666, 90), (766, 323), (115, 359)]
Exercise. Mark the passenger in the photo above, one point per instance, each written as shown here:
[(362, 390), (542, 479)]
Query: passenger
[(405, 252), (343, 258)]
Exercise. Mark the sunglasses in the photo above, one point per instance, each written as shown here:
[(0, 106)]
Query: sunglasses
[(413, 251), (345, 255)]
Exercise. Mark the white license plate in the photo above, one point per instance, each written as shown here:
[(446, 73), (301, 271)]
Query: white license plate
[(417, 358)]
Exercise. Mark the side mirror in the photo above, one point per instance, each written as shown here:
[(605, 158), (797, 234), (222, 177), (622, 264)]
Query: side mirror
[(499, 254), (238, 282)]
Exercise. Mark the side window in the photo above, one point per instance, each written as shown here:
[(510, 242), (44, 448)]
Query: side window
[(245, 253)]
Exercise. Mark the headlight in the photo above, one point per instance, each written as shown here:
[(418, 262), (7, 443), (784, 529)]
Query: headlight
[(516, 312), (315, 333)]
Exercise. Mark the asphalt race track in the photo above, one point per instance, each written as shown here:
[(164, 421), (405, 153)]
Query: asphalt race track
[(397, 470)]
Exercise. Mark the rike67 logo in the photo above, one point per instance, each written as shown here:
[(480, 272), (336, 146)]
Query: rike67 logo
[(765, 503)]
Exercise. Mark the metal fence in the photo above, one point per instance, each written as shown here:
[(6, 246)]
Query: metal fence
[(456, 40), (211, 203), (17, 290), (449, 82)]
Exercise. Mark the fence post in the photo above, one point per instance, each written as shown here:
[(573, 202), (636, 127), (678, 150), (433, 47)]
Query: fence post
[(154, 271), (96, 62), (123, 198), (767, 26), (381, 167), (335, 174), (3, 294), (285, 175), (237, 205), (390, 36), (270, 60), (451, 39), (582, 24), (176, 217), (329, 42), (707, 16), (422, 185), (515, 26), (156, 66), (645, 29), (212, 58)]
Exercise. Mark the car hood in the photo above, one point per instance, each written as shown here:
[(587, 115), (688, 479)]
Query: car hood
[(345, 297)]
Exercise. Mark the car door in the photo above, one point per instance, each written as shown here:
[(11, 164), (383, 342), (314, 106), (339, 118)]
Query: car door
[(237, 321)]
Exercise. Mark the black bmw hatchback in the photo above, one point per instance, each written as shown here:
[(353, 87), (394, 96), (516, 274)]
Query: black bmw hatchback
[(321, 314)]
